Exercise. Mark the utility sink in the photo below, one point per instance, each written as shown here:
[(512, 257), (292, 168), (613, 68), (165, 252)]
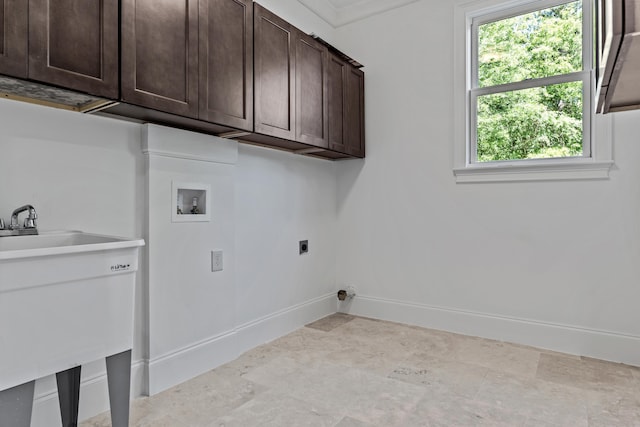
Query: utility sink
[(66, 298)]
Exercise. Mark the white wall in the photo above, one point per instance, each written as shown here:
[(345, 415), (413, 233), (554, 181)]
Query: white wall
[(553, 264), (263, 202), (282, 199)]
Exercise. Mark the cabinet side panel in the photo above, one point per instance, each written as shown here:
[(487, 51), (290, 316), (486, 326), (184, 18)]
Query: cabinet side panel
[(162, 48), (336, 88), (354, 123), (273, 57), (75, 31), (310, 99)]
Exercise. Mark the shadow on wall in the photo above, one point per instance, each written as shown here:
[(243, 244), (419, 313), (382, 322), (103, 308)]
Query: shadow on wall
[(348, 173)]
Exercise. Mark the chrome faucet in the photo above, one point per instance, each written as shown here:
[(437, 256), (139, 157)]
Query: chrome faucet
[(30, 225)]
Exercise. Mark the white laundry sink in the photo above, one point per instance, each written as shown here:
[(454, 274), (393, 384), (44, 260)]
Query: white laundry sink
[(66, 298)]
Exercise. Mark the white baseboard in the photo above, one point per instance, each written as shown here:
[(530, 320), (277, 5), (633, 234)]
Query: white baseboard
[(598, 344), (179, 366), (276, 325), (94, 397), (183, 364)]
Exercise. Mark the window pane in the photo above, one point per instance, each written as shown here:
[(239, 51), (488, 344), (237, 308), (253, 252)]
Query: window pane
[(539, 44), (542, 122)]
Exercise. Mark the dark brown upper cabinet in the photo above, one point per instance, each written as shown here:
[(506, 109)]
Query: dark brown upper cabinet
[(346, 107), (311, 124), (224, 67), (74, 44), (13, 37), (159, 51), (274, 56), (226, 62)]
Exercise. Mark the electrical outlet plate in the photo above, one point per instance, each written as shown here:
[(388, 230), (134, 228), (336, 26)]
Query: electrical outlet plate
[(216, 261)]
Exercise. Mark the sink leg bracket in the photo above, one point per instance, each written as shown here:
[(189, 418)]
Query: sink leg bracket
[(69, 395), (16, 404), (119, 379)]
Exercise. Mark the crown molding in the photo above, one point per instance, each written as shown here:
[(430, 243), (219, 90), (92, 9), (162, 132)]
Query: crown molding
[(337, 17)]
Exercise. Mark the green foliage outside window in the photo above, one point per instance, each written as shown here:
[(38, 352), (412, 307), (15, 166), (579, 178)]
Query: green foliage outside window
[(541, 122)]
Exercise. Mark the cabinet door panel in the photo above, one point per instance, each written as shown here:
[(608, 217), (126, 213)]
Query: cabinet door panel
[(336, 92), (226, 62), (160, 55), (74, 43), (274, 71), (311, 91), (13, 37), (354, 117)]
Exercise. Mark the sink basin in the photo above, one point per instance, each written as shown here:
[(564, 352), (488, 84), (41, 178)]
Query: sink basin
[(59, 242), (66, 298)]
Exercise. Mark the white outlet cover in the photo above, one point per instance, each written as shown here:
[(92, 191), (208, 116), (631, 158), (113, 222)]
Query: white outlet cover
[(216, 261)]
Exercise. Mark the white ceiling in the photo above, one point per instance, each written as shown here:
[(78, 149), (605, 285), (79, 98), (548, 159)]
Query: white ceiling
[(341, 12)]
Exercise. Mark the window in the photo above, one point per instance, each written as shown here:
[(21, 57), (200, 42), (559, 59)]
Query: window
[(528, 93)]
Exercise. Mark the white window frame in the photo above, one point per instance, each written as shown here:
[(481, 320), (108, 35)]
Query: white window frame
[(597, 141)]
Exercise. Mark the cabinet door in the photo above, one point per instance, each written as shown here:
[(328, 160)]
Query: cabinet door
[(311, 91), (160, 55), (354, 114), (74, 44), (226, 62), (274, 75), (13, 37), (336, 95)]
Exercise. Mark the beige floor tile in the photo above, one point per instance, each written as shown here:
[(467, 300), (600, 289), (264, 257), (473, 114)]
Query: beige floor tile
[(587, 374), (278, 410), (614, 408), (456, 377), (352, 422), (429, 343), (329, 323), (372, 357), (371, 329), (499, 356), (447, 410), (534, 399), (380, 401)]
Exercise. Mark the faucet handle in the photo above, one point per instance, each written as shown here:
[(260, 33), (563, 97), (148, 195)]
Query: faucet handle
[(1, 224)]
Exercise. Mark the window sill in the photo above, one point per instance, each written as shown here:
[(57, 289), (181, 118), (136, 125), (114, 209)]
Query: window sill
[(551, 171)]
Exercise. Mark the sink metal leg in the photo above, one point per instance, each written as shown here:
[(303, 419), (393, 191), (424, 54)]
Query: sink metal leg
[(16, 405), (119, 379), (69, 395)]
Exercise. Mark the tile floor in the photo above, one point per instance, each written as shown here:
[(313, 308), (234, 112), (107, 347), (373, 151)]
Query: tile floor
[(347, 371)]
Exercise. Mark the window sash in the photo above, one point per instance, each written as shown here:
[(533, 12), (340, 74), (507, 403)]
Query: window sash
[(583, 76)]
